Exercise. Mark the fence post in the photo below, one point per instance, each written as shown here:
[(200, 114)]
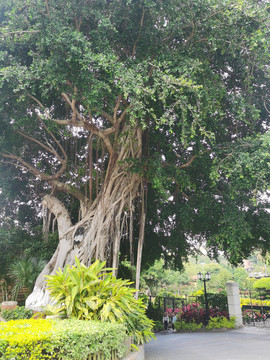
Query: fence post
[(234, 306)]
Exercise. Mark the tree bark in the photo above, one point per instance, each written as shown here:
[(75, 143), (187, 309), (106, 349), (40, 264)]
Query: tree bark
[(98, 234)]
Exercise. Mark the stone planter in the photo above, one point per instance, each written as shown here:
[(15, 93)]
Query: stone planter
[(136, 355), (9, 305)]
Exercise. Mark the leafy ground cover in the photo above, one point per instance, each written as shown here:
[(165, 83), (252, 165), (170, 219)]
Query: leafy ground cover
[(221, 322)]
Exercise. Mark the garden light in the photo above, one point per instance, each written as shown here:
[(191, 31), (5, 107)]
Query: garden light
[(205, 278)]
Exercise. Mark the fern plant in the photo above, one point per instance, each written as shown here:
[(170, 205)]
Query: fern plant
[(93, 293)]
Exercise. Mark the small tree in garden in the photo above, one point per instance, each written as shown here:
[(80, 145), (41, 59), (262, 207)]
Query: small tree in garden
[(93, 293), (262, 284)]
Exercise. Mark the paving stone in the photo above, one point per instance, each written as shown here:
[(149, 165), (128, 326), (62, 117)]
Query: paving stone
[(247, 343)]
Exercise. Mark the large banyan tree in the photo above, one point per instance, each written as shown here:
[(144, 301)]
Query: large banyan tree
[(115, 107)]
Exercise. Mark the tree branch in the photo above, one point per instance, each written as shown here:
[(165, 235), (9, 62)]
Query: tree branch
[(81, 124), (191, 35), (118, 102), (123, 114), (139, 35), (103, 134), (191, 159), (59, 186), (106, 116), (54, 138), (51, 150), (47, 8), (33, 170), (91, 127), (189, 162), (59, 211)]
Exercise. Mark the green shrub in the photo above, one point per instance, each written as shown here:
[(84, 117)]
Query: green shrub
[(215, 300), (158, 325), (68, 339), (95, 294), (16, 314), (214, 323), (182, 325), (221, 322), (154, 313), (263, 283)]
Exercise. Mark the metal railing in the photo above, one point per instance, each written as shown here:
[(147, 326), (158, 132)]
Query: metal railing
[(256, 308), (171, 302)]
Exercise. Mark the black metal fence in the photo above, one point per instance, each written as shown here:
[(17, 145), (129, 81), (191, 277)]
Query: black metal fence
[(256, 308), (172, 303)]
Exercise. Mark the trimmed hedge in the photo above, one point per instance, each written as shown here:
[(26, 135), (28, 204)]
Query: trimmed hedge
[(69, 339)]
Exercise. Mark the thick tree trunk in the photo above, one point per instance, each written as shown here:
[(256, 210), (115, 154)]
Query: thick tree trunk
[(98, 234)]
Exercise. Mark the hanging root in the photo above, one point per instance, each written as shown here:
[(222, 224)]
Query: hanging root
[(47, 218)]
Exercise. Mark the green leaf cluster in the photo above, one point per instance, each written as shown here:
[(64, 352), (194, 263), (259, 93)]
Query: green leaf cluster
[(263, 283), (191, 326), (221, 322), (20, 312), (195, 75), (93, 293)]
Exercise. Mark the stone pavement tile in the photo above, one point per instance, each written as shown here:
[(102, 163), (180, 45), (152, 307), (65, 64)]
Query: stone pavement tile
[(240, 344)]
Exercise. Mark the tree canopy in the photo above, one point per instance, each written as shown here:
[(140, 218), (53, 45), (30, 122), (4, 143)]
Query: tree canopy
[(140, 117)]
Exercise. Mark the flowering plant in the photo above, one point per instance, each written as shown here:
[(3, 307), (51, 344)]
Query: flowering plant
[(253, 315), (194, 313)]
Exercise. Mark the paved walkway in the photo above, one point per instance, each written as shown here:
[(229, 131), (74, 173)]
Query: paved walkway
[(248, 343)]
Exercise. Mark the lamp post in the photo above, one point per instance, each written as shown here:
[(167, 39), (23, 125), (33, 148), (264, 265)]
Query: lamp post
[(205, 278)]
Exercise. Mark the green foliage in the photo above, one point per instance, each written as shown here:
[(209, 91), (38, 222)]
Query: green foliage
[(23, 273), (66, 339), (154, 312), (214, 323), (191, 326), (158, 326), (162, 280), (218, 300), (240, 275), (20, 312), (263, 283), (192, 75), (221, 322), (95, 294), (17, 242)]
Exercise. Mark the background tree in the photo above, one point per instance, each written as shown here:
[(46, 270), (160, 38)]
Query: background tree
[(118, 112)]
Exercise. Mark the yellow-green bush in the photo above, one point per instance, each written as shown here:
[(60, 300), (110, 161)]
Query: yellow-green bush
[(254, 302), (221, 322), (263, 283), (182, 325), (69, 339)]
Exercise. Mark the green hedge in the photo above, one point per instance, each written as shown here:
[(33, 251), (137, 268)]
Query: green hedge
[(20, 312), (69, 339)]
